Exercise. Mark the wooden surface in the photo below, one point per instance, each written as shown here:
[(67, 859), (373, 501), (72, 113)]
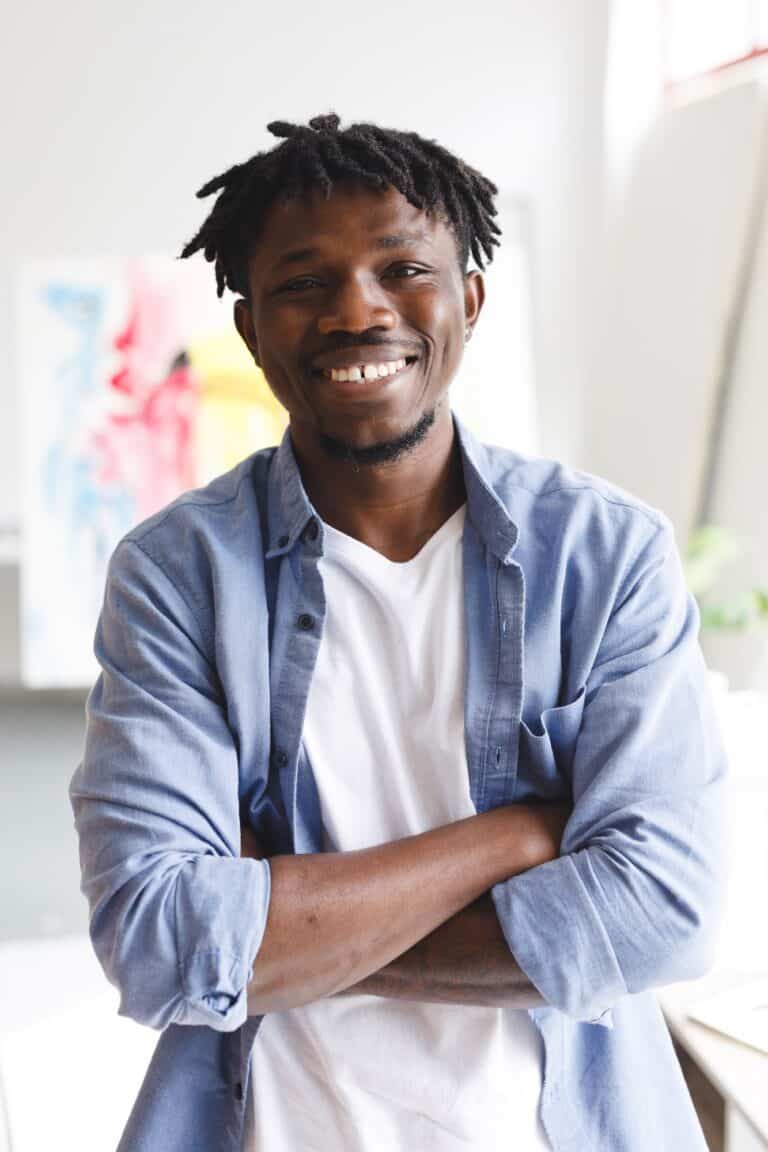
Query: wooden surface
[(738, 1072)]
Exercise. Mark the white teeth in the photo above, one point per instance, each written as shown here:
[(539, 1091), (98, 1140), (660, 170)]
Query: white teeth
[(366, 371)]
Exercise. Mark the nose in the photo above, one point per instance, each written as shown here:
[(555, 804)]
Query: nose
[(357, 304)]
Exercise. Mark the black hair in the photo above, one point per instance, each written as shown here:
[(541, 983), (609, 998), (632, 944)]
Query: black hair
[(428, 175)]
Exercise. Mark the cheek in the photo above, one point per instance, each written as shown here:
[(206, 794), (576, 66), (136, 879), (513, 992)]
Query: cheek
[(282, 335), (448, 332)]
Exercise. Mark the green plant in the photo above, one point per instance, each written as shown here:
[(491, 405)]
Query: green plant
[(710, 549)]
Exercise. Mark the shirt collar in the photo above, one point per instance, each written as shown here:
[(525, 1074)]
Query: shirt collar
[(290, 509)]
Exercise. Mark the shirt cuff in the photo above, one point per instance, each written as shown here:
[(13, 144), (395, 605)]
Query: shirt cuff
[(558, 940), (215, 979)]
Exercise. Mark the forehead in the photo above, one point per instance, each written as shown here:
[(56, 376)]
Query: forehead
[(354, 218)]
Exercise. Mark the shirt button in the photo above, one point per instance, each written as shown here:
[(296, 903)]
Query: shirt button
[(283, 540), (280, 758), (306, 622), (311, 531)]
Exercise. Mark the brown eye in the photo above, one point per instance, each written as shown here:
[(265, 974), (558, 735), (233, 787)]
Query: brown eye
[(401, 271), (299, 285)]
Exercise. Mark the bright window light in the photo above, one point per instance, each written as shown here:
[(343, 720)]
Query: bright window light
[(701, 35)]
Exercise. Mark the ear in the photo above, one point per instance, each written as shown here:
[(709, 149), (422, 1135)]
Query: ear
[(244, 325), (474, 297)]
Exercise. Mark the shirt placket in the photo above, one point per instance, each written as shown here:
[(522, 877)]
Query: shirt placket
[(300, 617), (495, 614), (504, 728)]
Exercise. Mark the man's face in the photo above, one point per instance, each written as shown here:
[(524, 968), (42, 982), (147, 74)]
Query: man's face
[(361, 280)]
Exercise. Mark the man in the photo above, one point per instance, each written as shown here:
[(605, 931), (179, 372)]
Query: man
[(402, 787)]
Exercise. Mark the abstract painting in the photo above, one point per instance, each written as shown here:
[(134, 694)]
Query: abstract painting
[(135, 387)]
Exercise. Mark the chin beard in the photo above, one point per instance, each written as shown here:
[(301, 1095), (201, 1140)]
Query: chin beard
[(383, 452)]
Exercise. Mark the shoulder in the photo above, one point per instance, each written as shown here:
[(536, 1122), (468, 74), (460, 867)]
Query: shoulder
[(570, 508), (207, 508), (201, 534), (524, 481)]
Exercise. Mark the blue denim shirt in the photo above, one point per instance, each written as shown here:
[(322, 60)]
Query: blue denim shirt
[(585, 683)]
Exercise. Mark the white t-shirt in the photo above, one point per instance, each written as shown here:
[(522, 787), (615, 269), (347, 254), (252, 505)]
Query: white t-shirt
[(384, 732)]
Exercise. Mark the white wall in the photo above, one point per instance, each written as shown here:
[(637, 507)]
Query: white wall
[(115, 114), (670, 280), (683, 257)]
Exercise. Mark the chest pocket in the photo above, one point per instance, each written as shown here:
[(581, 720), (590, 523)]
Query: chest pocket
[(546, 749)]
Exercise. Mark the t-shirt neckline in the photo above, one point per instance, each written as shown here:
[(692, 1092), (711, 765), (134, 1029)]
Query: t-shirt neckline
[(341, 544)]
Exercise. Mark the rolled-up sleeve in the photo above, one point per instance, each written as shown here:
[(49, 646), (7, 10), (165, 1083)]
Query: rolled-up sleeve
[(634, 900), (176, 916)]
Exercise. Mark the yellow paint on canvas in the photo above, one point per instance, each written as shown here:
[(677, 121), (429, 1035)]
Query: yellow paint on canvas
[(237, 412)]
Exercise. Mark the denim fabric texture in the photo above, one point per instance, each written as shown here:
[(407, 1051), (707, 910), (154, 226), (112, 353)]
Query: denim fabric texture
[(585, 683)]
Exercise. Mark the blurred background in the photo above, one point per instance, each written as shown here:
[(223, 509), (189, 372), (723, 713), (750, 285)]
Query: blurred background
[(625, 334)]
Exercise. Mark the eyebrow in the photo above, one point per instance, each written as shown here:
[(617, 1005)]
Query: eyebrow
[(401, 240)]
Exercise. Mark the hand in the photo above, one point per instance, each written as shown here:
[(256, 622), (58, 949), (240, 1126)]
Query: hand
[(249, 843)]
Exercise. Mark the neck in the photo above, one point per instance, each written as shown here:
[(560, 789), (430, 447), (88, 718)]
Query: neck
[(394, 507)]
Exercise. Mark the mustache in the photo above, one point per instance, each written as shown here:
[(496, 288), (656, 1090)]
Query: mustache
[(341, 345)]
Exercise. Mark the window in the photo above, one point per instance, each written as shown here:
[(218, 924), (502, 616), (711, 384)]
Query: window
[(704, 35)]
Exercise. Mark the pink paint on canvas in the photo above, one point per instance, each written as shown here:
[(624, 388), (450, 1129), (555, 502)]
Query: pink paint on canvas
[(144, 439)]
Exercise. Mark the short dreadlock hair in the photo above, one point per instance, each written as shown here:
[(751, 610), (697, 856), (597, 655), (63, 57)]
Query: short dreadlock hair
[(315, 156)]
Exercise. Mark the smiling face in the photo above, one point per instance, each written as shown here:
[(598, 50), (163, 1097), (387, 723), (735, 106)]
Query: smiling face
[(357, 316)]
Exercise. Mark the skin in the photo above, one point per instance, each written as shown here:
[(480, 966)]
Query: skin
[(464, 960), (379, 461), (370, 302)]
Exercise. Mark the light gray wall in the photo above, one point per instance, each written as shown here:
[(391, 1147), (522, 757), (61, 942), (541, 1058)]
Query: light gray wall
[(41, 742)]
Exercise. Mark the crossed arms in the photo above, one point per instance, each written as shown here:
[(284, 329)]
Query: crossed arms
[(406, 919), (194, 933)]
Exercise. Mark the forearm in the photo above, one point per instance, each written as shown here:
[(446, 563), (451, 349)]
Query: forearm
[(336, 918), (464, 961)]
